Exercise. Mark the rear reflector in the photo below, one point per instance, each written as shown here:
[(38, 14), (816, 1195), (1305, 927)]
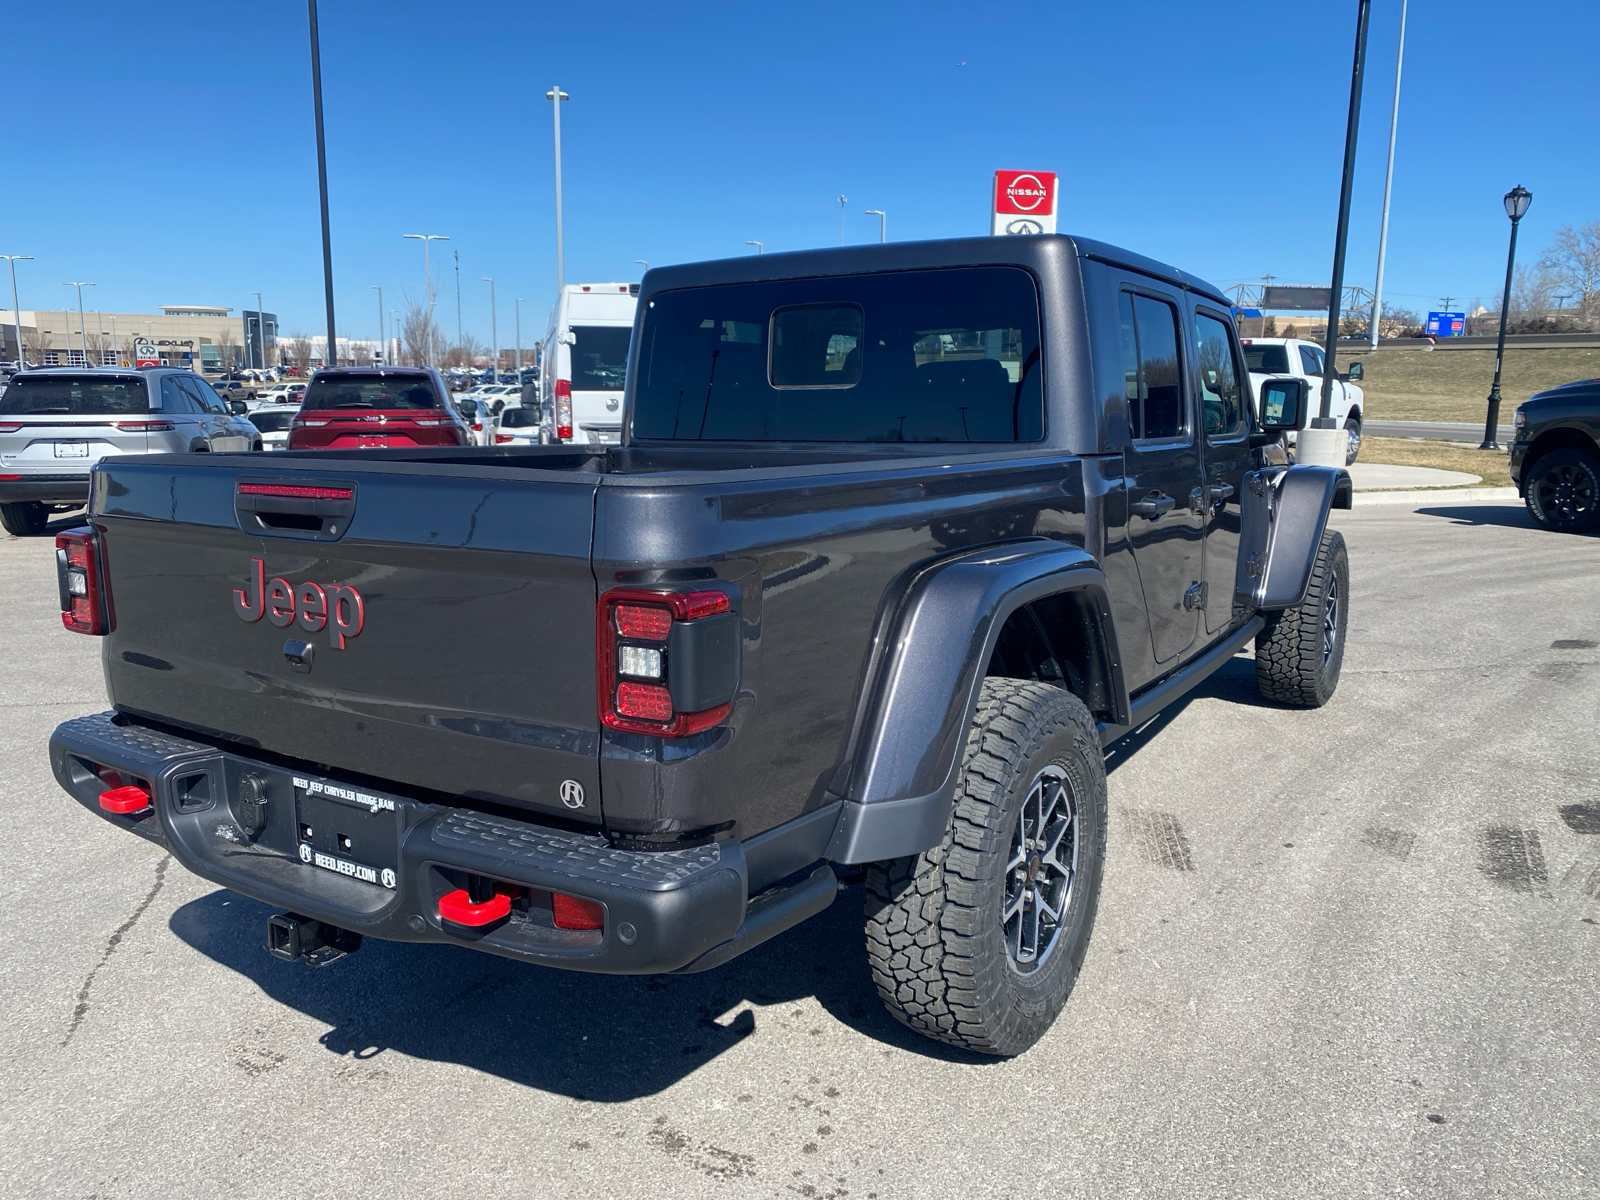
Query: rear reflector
[(144, 426), (8, 478), (11, 427), (295, 491), (458, 908), (128, 799), (572, 913)]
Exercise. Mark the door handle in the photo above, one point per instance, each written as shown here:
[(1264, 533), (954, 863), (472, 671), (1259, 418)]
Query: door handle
[(1204, 501), (1153, 506)]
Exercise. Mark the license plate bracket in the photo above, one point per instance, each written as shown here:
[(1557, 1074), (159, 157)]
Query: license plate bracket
[(72, 449), (348, 831)]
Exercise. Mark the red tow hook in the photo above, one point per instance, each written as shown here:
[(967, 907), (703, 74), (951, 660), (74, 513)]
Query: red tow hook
[(129, 799), (457, 908)]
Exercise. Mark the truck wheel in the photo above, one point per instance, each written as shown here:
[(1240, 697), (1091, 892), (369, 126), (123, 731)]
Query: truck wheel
[(1563, 492), (1299, 653), (977, 942), (1352, 439), (25, 519)]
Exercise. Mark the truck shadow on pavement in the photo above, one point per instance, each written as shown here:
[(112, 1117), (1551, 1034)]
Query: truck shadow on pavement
[(1509, 516), (602, 1038), (1233, 682)]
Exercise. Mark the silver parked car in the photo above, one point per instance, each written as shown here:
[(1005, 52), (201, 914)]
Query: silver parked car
[(56, 424)]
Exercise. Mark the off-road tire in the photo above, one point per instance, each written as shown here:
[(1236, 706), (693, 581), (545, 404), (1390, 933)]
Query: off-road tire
[(1352, 439), (1295, 665), (935, 941), (1563, 491), (27, 518)]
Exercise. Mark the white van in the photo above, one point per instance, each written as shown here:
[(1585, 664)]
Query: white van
[(585, 363)]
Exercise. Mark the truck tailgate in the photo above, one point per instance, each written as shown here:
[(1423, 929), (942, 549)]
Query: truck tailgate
[(472, 670)]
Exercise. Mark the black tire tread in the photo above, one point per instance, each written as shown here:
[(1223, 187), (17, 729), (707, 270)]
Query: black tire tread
[(26, 518), (1289, 666), (925, 923)]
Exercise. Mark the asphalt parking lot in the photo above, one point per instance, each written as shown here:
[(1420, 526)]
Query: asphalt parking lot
[(1347, 952)]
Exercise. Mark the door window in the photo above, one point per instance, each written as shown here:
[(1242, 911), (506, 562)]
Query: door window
[(1311, 361), (1152, 381), (208, 400), (1221, 401), (175, 399)]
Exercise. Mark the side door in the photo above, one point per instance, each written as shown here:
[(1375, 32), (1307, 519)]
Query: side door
[(1311, 359), (215, 415), (188, 420), (1219, 378), (1165, 527)]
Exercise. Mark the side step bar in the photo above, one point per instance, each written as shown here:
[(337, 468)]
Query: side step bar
[(1164, 693), (769, 914)]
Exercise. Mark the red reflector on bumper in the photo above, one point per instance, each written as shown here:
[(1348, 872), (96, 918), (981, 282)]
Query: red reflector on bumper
[(458, 908), (573, 913), (128, 799)]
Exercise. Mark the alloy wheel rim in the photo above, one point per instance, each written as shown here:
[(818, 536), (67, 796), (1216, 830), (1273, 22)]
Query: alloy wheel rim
[(1040, 871), (1352, 441), (1565, 494), (1330, 620)]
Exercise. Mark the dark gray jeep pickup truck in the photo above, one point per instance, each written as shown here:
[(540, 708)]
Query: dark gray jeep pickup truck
[(896, 540)]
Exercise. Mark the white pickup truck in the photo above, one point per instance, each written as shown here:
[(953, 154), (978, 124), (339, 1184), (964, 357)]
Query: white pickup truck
[(1267, 357)]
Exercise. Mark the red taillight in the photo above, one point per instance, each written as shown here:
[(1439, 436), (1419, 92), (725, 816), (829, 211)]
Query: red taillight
[(502, 438), (644, 703), (295, 491), (144, 426), (570, 912), (307, 424), (130, 799), (85, 599), (10, 426), (564, 409)]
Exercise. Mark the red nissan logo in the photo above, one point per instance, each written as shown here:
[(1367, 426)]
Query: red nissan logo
[(1027, 192)]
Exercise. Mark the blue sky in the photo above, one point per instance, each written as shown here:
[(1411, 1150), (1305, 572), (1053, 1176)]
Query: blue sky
[(1204, 134)]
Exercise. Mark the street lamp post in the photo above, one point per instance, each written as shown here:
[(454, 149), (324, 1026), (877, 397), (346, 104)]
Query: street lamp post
[(460, 341), (83, 345), (517, 308), (760, 247), (394, 329), (1388, 179), (115, 352), (382, 341), (883, 223), (555, 95), (1516, 201), (645, 263), (332, 356), (16, 312), (494, 332), (842, 202), (427, 281)]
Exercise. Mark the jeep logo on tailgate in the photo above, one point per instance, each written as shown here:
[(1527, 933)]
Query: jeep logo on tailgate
[(337, 608)]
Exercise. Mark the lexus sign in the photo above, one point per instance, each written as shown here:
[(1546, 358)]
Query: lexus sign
[(1024, 202)]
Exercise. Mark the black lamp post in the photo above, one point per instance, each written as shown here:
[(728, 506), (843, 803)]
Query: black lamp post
[(1517, 201)]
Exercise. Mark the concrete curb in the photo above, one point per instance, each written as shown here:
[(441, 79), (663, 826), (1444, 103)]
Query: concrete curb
[(1465, 495)]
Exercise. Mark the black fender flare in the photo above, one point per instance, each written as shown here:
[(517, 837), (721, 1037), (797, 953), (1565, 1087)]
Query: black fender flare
[(1298, 518), (901, 782)]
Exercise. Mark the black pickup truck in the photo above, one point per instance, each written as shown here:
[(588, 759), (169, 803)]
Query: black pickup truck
[(897, 539)]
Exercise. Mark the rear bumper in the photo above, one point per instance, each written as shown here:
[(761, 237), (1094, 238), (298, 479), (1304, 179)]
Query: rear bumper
[(664, 911), (50, 489)]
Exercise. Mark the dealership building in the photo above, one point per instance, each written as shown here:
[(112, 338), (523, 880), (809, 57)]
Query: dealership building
[(180, 335)]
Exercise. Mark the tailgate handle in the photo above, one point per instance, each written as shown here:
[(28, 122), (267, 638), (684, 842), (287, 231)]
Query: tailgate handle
[(315, 510)]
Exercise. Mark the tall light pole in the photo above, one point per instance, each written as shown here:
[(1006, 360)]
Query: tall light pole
[(394, 328), (555, 95), (261, 330), (517, 308), (83, 345), (115, 352), (460, 341), (1325, 445), (645, 263), (382, 341), (842, 202), (1516, 201), (1388, 180), (427, 281), (494, 331), (883, 223), (15, 311), (332, 357), (760, 248), (99, 338)]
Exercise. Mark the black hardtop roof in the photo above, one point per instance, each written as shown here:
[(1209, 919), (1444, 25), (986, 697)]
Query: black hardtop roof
[(1032, 252), (423, 371)]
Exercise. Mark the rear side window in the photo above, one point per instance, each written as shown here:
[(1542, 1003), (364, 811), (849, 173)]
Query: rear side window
[(1269, 360), (175, 398), (271, 422), (916, 356), (519, 418), (1221, 400), (370, 391), (73, 396), (1150, 367), (600, 357)]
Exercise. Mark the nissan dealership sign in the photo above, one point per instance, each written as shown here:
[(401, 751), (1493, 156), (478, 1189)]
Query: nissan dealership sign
[(1024, 202)]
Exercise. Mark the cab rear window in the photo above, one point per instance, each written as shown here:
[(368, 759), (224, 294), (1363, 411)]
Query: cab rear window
[(915, 356), (68, 395), (331, 391), (1269, 360)]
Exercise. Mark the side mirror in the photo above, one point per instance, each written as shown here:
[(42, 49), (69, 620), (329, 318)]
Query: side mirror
[(1283, 401), (238, 407), (1356, 373)]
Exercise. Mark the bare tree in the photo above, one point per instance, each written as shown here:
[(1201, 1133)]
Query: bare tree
[(300, 350), (1573, 262), (463, 353), (362, 356), (227, 350), (36, 341), (1398, 322), (419, 333), (1532, 289)]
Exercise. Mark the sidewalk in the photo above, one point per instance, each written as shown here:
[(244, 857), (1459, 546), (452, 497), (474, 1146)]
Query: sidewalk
[(1448, 431)]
